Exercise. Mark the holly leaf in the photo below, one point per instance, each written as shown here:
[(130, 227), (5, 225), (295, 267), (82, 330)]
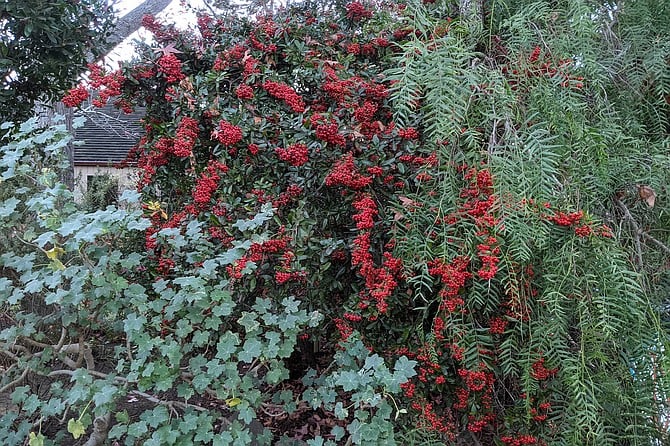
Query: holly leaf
[(76, 428)]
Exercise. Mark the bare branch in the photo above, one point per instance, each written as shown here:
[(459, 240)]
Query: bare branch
[(100, 430), (16, 382), (635, 228)]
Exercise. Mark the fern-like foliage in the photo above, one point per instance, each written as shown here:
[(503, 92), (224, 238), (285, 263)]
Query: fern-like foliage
[(566, 104)]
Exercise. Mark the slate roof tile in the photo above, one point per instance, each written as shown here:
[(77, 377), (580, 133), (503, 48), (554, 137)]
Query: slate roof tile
[(107, 136)]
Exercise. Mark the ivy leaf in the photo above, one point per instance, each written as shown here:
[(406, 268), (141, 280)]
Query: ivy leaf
[(404, 368), (248, 321), (8, 206), (349, 380), (76, 428), (157, 416), (338, 432), (55, 253), (264, 215), (208, 267), (250, 351), (35, 439), (167, 49), (374, 362), (291, 304), (105, 395), (139, 224), (232, 402), (341, 412), (227, 345), (133, 323)]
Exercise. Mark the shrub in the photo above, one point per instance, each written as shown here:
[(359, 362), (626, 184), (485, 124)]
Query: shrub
[(338, 187)]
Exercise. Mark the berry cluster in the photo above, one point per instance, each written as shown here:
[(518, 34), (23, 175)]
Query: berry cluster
[(187, 134), (345, 174), (330, 133), (540, 373), (170, 67), (227, 133), (286, 93), (208, 182), (75, 97), (357, 12), (295, 154), (244, 91)]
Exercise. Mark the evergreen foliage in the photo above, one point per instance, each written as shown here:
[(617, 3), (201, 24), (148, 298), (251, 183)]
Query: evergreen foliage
[(437, 223), (44, 47)]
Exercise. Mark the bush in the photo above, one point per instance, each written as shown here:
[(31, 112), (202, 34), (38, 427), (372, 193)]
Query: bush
[(344, 220)]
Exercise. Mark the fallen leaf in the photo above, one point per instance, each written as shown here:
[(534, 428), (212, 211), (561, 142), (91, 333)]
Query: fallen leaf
[(647, 194)]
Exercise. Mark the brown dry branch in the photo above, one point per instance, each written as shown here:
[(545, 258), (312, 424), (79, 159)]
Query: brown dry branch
[(638, 233)]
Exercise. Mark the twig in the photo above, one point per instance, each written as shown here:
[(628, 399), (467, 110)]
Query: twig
[(280, 410), (16, 382), (10, 354), (474, 439), (129, 349), (35, 343), (639, 232), (636, 230), (655, 241)]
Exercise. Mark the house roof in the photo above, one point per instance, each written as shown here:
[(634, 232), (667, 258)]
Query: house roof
[(107, 136)]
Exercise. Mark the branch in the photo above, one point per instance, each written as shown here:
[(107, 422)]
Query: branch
[(132, 21), (636, 230), (16, 382), (655, 241), (146, 396), (100, 430)]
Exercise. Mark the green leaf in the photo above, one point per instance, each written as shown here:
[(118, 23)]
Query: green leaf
[(340, 412), (76, 428), (338, 432), (250, 350), (36, 439), (138, 225), (105, 395), (157, 416), (227, 345), (133, 323), (291, 304), (405, 368), (349, 380), (248, 321), (8, 207), (374, 362), (249, 225)]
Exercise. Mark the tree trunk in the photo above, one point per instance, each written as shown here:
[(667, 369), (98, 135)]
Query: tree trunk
[(471, 10), (132, 21)]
